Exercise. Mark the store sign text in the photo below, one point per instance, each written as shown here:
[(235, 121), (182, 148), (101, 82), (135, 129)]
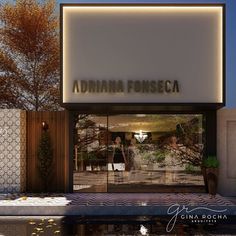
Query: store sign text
[(131, 86)]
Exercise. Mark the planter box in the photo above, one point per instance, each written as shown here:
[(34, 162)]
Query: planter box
[(212, 180)]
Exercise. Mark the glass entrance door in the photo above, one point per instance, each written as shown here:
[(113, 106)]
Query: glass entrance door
[(139, 152), (90, 154)]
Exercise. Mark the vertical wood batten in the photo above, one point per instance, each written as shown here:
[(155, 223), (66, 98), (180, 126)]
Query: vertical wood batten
[(57, 129)]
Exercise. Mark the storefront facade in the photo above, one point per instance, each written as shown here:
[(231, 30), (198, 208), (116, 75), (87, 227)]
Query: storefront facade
[(142, 85)]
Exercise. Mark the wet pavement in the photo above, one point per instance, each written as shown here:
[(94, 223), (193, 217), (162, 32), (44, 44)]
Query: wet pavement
[(112, 226), (109, 203), (117, 214), (113, 199)]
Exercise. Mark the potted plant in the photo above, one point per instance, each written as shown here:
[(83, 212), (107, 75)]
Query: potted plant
[(211, 165)]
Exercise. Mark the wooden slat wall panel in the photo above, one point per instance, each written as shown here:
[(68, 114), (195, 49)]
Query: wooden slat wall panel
[(58, 129)]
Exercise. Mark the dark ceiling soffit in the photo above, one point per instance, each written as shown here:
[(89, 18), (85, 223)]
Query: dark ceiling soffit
[(111, 108)]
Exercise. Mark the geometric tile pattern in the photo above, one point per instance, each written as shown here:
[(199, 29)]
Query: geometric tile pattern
[(140, 199), (114, 199), (12, 150)]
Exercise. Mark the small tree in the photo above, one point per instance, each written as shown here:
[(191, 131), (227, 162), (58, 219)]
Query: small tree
[(45, 158), (29, 55)]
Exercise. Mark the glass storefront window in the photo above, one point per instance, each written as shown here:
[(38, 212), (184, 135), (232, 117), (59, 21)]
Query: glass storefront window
[(90, 159), (139, 152)]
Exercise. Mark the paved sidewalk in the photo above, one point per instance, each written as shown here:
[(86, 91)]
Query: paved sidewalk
[(231, 199), (109, 203)]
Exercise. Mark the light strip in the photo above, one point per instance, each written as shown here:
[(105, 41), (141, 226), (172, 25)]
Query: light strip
[(144, 7), (107, 9), (220, 56)]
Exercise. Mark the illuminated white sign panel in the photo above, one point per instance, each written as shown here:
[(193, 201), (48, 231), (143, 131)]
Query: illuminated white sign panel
[(180, 47)]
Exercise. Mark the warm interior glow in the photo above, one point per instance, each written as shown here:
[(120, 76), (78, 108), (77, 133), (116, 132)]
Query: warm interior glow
[(140, 136), (139, 10)]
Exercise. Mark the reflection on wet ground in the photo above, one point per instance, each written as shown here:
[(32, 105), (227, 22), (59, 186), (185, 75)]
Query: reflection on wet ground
[(130, 181), (108, 226)]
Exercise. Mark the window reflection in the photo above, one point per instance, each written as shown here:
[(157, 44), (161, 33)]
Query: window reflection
[(138, 153), (90, 163)]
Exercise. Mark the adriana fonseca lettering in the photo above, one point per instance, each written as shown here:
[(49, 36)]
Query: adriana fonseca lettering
[(129, 86)]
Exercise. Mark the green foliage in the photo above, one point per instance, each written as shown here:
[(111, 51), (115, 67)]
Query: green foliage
[(89, 156), (159, 156), (189, 168), (155, 157), (211, 162), (45, 156)]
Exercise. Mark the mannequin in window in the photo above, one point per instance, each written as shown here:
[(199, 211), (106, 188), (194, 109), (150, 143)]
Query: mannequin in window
[(133, 155), (118, 160)]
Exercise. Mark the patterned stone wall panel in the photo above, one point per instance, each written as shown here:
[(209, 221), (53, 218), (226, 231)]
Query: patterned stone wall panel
[(12, 150), (23, 151)]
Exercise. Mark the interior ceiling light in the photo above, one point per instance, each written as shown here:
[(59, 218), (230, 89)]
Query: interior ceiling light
[(140, 136)]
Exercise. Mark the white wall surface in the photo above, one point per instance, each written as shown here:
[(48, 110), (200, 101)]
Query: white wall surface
[(226, 151), (136, 43)]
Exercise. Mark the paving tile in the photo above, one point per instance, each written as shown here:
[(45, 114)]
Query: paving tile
[(113, 199)]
